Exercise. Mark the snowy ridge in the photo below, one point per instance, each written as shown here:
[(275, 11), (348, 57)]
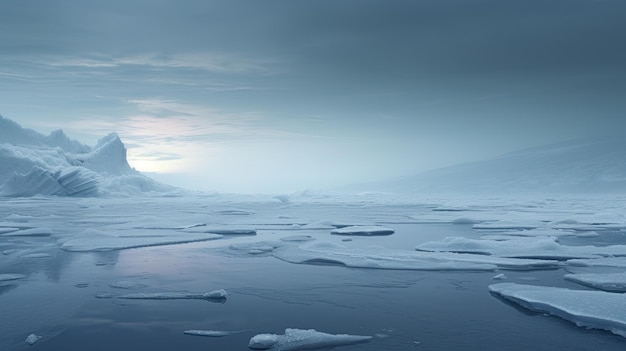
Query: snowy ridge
[(35, 164)]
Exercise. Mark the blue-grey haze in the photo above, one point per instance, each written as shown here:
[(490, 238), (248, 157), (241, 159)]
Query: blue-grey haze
[(283, 95)]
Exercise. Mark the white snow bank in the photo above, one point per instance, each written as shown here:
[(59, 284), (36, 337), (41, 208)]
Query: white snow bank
[(362, 231), (34, 164), (615, 282), (11, 276), (220, 294), (384, 258), (95, 240), (542, 247), (591, 309), (300, 339)]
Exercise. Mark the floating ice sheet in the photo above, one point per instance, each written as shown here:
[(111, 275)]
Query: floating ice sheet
[(545, 248), (94, 240), (220, 294), (362, 231), (615, 282), (384, 258), (300, 339), (591, 309)]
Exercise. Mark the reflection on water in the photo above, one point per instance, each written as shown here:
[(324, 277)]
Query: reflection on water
[(405, 310)]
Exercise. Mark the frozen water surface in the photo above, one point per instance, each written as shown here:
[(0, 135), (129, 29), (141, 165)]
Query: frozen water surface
[(295, 274), (590, 309)]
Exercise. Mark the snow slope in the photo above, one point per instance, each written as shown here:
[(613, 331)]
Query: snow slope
[(35, 164), (578, 166)]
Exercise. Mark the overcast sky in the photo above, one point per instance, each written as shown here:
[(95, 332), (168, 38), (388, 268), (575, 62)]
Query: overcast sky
[(280, 96)]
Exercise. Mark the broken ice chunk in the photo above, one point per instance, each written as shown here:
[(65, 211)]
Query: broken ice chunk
[(300, 339), (32, 339)]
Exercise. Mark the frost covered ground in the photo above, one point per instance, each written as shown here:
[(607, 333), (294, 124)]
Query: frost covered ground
[(308, 271)]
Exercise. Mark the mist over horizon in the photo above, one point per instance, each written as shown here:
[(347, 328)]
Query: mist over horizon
[(280, 97)]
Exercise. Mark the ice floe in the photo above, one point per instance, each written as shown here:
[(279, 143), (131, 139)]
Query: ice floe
[(384, 258), (363, 230), (615, 282), (585, 308), (220, 294), (95, 240), (301, 339), (544, 248)]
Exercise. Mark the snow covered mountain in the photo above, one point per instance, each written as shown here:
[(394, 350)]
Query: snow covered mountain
[(35, 164), (594, 165)]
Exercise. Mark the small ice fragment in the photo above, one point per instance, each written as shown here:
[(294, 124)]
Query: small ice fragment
[(500, 276), (32, 339), (209, 333), (216, 294), (263, 341)]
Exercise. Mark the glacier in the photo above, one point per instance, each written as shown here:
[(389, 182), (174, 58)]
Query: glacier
[(35, 164)]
